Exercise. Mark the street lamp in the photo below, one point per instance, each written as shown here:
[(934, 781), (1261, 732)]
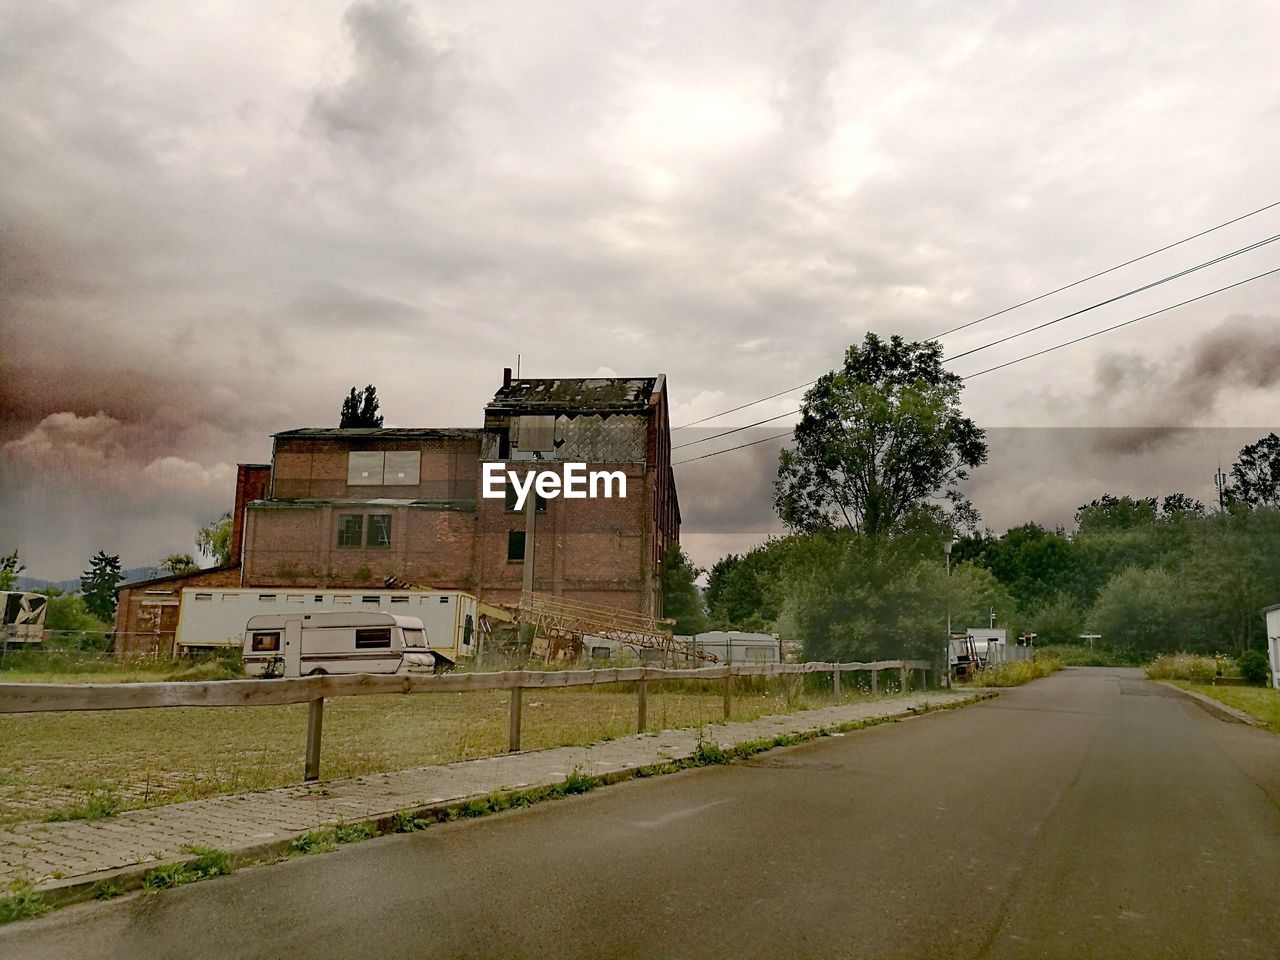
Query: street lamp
[(946, 650)]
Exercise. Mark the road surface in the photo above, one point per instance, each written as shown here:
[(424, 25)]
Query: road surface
[(1092, 814)]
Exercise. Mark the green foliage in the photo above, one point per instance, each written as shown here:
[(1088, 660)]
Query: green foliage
[(178, 563), (1016, 673), (1033, 563), (1060, 619), (360, 409), (1115, 513), (745, 592), (1254, 667), (1140, 609), (1255, 477), (408, 823), (208, 863), (680, 598), (98, 586), (354, 832), (107, 891), (213, 540), (1183, 666), (10, 567), (98, 804), (22, 903), (876, 438), (314, 841), (1082, 655)]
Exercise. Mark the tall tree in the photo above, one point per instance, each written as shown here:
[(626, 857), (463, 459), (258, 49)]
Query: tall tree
[(176, 564), (877, 437), (681, 601), (1255, 477), (361, 409), (1115, 513), (10, 567), (214, 539), (98, 586)]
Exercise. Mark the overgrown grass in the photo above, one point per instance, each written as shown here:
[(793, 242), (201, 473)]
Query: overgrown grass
[(97, 763), (1017, 672), (1081, 655), (22, 902), (1260, 702), (1183, 666)]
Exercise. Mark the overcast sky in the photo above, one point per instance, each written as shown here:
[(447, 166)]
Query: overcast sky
[(216, 218)]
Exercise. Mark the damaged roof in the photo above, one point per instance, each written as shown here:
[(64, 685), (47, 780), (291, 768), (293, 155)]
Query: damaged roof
[(613, 394), (380, 433)]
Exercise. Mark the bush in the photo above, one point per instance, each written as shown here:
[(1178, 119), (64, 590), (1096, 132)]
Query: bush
[(1254, 667), (1017, 672), (22, 903), (1183, 666)]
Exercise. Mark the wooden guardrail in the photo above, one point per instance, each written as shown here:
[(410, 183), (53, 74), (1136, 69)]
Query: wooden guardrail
[(58, 697)]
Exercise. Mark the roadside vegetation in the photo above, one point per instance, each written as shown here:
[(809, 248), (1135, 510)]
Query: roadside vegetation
[(1260, 702), (1017, 672)]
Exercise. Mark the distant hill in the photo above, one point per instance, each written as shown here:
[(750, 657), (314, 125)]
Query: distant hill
[(132, 575)]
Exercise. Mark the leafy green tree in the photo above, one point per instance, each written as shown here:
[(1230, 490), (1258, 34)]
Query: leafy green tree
[(10, 567), (1060, 618), (176, 564), (745, 592), (1032, 562), (681, 600), (214, 539), (1255, 477), (1115, 513), (1144, 610), (877, 437), (1180, 506), (98, 586), (361, 409)]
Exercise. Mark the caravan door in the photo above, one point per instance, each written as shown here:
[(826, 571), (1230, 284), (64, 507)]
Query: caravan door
[(293, 648)]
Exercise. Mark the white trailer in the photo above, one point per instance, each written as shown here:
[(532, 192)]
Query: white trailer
[(22, 616), (1272, 615), (984, 638), (300, 644), (213, 618)]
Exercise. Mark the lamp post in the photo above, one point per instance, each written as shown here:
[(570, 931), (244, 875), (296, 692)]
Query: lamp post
[(946, 650)]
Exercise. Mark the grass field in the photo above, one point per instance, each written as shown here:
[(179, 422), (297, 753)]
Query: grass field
[(95, 763), (1260, 702)]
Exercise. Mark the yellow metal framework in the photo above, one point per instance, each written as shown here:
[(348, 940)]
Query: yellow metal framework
[(564, 624)]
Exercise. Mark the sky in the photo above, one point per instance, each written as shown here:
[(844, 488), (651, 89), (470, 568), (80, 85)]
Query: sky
[(216, 218)]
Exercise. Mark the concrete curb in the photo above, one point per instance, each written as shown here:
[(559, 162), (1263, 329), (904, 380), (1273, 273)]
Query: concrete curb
[(127, 879), (1214, 707)]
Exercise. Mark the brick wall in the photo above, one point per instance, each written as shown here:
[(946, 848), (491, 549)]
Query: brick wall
[(147, 612)]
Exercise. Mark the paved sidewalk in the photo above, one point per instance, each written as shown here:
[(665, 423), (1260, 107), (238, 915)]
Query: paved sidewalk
[(64, 857)]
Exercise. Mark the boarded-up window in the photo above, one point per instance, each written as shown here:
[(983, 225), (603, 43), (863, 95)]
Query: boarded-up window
[(364, 469), (401, 467), (537, 434)]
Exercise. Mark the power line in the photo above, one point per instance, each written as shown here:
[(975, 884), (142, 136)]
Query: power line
[(778, 436), (1128, 293), (1009, 363), (1098, 333), (1023, 303), (1103, 273), (725, 433)]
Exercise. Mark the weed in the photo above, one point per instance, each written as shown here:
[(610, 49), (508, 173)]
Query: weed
[(315, 841), (1183, 666), (209, 862), (575, 782), (354, 832), (162, 878), (22, 902), (408, 823), (98, 804), (1017, 672), (107, 891), (708, 752)]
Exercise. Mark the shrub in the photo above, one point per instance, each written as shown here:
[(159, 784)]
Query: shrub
[(1183, 666), (1254, 667), (1016, 672), (316, 841), (353, 832)]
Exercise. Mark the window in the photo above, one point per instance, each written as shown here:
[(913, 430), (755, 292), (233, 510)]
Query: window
[(414, 637), (350, 526), (515, 546), (266, 598), (295, 598), (372, 637), (204, 596), (400, 468), (364, 469), (368, 599), (379, 530), (399, 599), (540, 502), (265, 642), (758, 654), (600, 653)]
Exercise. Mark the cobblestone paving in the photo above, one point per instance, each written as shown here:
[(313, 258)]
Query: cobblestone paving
[(56, 854)]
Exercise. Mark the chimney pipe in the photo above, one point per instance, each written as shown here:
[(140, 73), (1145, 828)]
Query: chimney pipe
[(506, 377)]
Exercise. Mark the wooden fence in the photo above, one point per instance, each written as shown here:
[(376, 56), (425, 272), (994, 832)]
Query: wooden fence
[(57, 697)]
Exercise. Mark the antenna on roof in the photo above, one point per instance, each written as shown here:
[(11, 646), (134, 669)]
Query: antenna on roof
[(517, 366)]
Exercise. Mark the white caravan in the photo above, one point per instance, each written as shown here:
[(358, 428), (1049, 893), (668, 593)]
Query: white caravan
[(983, 638), (213, 617), (299, 644)]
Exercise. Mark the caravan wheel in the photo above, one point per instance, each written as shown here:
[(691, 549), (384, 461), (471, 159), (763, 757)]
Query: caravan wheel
[(318, 672)]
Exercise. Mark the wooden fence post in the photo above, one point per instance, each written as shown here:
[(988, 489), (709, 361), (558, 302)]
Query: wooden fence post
[(513, 737), (315, 720), (906, 677), (642, 705), (728, 695), (835, 682), (875, 681)]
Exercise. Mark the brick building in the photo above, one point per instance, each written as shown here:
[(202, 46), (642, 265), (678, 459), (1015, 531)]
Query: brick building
[(347, 508)]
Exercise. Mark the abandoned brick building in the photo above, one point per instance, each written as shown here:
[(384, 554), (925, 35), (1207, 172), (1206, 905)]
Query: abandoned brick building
[(347, 508)]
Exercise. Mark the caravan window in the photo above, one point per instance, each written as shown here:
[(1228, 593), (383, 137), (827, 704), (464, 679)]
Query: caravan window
[(368, 637), (266, 642), (414, 637)]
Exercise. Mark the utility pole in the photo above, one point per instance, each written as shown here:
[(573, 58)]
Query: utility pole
[(1220, 481), (946, 650)]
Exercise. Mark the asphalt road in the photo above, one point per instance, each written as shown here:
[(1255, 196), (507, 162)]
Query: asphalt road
[(1092, 814)]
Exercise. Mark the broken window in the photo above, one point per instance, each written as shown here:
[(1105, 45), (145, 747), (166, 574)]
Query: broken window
[(515, 546), (379, 530), (350, 528)]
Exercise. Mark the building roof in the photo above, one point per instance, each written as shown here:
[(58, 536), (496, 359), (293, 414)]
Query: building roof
[(585, 394), (173, 578), (380, 433)]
